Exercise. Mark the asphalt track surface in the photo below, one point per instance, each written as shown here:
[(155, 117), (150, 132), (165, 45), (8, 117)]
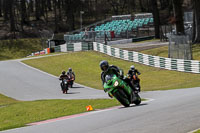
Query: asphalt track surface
[(25, 83), (173, 111)]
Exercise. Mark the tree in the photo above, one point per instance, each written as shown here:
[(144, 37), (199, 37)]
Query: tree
[(49, 5), (115, 6), (142, 6), (178, 13), (118, 6), (156, 18), (30, 5), (23, 13), (45, 6), (59, 9), (164, 3), (0, 8), (11, 12), (12, 16), (55, 15), (37, 9), (131, 6), (196, 21), (5, 10), (70, 14)]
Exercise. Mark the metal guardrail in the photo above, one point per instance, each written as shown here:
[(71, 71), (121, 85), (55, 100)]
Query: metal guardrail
[(192, 66)]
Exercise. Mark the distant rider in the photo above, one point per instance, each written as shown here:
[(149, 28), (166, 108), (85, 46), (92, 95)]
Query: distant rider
[(63, 76), (132, 73), (70, 73)]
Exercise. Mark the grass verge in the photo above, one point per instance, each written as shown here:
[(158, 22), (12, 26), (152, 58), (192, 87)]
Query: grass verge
[(198, 131), (18, 114), (86, 67), (4, 100)]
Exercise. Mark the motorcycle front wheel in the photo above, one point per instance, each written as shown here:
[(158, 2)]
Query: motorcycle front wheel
[(65, 89)]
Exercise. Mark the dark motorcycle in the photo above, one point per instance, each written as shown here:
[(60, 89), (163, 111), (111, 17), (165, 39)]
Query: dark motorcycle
[(71, 81), (64, 86), (136, 82)]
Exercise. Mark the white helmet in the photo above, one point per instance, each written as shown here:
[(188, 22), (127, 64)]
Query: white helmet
[(132, 67)]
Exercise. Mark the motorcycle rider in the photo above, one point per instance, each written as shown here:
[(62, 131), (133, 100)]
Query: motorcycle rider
[(70, 73), (107, 70), (71, 76), (132, 71), (63, 76)]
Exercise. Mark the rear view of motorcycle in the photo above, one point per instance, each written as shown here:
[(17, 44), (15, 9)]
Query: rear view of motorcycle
[(71, 81), (120, 90)]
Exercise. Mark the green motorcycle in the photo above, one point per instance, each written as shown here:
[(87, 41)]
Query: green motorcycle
[(119, 89)]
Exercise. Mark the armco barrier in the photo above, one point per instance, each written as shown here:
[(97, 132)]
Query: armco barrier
[(82, 46), (70, 47), (57, 49), (74, 47), (192, 66)]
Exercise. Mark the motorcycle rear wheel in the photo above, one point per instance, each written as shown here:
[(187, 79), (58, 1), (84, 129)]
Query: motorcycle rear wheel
[(121, 96)]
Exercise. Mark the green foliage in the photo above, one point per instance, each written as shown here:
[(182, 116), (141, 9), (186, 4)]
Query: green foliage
[(86, 67), (12, 49)]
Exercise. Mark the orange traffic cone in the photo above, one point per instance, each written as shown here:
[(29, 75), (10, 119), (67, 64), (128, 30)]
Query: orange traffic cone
[(89, 108)]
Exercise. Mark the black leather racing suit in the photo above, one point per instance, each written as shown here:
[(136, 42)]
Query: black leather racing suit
[(131, 73), (112, 70)]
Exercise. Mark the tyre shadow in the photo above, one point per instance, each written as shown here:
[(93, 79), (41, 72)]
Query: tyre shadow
[(76, 87), (133, 105)]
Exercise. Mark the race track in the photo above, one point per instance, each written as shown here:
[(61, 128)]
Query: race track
[(25, 83), (173, 111)]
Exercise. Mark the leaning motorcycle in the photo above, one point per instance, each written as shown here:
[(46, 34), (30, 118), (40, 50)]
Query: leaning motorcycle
[(64, 86), (120, 90)]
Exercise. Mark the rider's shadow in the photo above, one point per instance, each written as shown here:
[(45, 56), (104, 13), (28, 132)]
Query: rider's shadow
[(77, 87)]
